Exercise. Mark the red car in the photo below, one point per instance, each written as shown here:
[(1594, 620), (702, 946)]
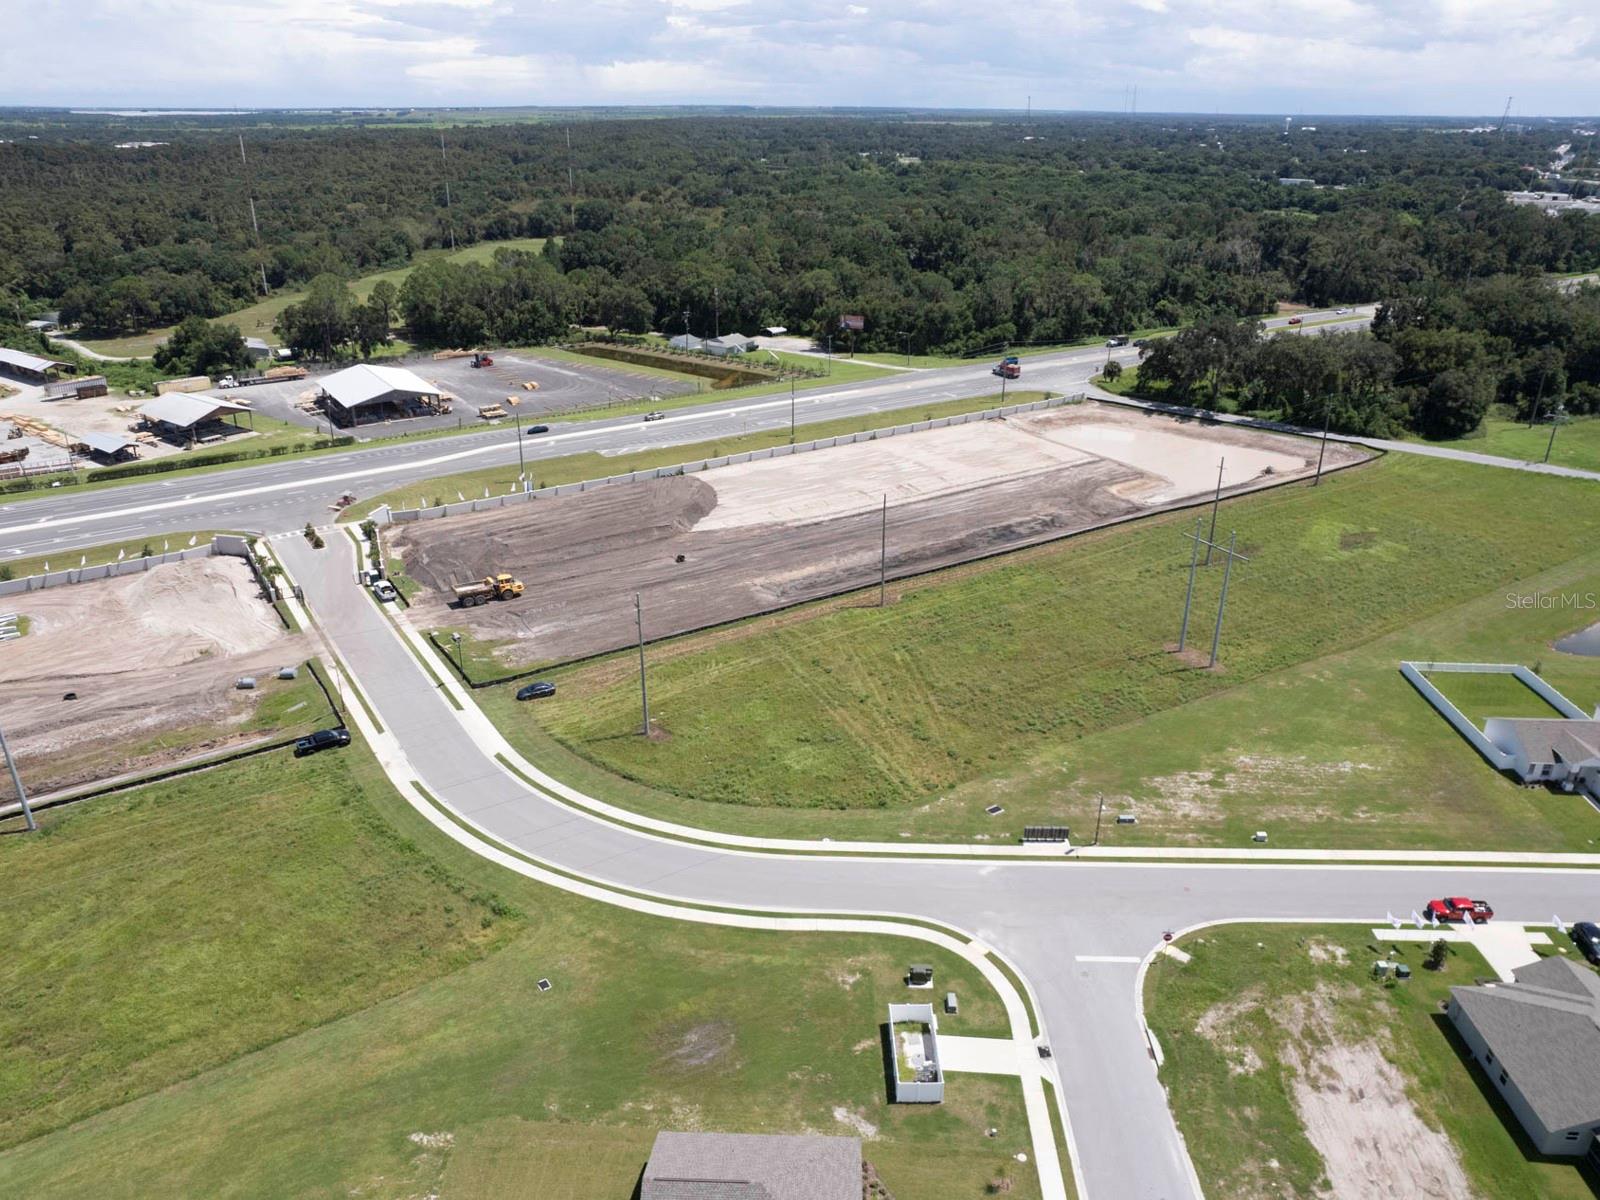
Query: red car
[(1459, 909), (1295, 320)]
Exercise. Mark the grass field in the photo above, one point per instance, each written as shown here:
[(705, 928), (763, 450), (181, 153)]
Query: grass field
[(256, 320), (571, 468), (60, 560), (1230, 1024), (1577, 444), (275, 979), (1040, 681), (1480, 697)]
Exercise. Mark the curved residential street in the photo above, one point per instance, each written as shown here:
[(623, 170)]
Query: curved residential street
[(1077, 929)]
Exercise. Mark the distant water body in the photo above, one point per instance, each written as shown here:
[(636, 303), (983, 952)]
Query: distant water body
[(1585, 641)]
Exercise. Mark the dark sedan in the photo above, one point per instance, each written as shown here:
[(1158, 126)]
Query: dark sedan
[(537, 690)]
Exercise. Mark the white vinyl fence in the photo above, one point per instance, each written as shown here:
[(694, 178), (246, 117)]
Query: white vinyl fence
[(222, 544), (400, 516)]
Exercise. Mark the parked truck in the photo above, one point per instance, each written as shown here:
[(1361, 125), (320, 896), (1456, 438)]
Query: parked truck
[(1009, 367), (490, 587)]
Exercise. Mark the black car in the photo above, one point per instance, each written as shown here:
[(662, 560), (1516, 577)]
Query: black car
[(1586, 937), (537, 690), (322, 739), (533, 429)]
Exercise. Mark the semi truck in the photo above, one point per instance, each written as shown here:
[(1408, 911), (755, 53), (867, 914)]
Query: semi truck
[(490, 587), (1009, 367)]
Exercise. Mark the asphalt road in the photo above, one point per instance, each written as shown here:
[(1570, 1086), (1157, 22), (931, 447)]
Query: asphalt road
[(1076, 928), (285, 495)]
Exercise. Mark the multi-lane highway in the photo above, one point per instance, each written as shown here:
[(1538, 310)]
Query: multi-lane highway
[(285, 495)]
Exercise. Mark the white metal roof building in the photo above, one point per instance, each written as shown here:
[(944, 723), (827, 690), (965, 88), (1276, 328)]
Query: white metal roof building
[(108, 445), (186, 411), (367, 388), (27, 366)]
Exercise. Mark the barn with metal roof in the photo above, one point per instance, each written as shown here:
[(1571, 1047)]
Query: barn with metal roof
[(30, 368), (189, 416)]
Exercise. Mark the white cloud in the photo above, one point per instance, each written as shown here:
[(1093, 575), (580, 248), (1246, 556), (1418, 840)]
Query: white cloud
[(1435, 56)]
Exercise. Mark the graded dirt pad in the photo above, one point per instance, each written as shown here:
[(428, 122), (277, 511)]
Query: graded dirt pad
[(759, 536), (153, 658)]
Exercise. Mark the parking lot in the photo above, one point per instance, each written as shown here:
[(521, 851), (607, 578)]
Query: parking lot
[(563, 386)]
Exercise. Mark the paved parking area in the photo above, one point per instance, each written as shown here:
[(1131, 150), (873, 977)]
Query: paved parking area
[(564, 386)]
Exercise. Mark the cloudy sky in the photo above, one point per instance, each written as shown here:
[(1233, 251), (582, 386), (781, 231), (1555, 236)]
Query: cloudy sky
[(1290, 56)]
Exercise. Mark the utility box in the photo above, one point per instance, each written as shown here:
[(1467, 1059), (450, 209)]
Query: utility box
[(246, 683), (914, 1046), (919, 975), (951, 1006), (1260, 835)]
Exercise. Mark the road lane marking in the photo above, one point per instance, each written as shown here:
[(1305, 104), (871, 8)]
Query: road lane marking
[(1109, 958)]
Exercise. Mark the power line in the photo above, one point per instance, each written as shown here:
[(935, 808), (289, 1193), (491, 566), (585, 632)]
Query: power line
[(449, 216), (249, 192)]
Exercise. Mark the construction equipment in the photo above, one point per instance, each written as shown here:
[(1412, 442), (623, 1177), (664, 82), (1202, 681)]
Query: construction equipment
[(1009, 367), (490, 587), (483, 360)]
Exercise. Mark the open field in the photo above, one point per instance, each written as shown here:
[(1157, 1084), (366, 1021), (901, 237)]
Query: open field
[(752, 537), (152, 659), (1040, 682), (256, 320), (571, 468), (347, 1005), (1577, 444), (1292, 1073)]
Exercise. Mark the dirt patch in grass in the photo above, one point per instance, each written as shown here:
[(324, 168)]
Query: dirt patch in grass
[(702, 1045), (855, 1120), (1353, 1105), (1222, 1026)]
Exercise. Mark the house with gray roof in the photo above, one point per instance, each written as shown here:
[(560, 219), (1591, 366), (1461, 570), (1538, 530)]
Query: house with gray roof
[(1538, 1041), (1559, 750), (752, 1166)]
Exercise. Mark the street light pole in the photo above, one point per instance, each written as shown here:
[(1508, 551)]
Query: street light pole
[(644, 694), (1323, 449), (460, 665), (516, 423), (1555, 424), (791, 410), (16, 782)]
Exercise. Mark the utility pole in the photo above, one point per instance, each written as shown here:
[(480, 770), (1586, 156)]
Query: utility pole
[(1222, 603), (1555, 424), (906, 343), (716, 312), (1322, 450), (1539, 399), (516, 423), (1097, 818), (1215, 502), (250, 191), (572, 190), (791, 410), (460, 666), (449, 216), (883, 553), (644, 694), (16, 782), (1188, 596), (686, 330), (830, 354)]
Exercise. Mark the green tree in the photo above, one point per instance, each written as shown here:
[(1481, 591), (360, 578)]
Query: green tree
[(1437, 953), (385, 297), (197, 347), (1454, 404)]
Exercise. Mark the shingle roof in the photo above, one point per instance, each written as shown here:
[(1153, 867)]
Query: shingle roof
[(365, 383), (752, 1166), (1543, 738), (184, 409), (1545, 1031)]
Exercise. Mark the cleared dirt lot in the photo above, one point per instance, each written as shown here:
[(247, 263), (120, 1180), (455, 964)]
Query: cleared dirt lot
[(764, 535), (153, 658)]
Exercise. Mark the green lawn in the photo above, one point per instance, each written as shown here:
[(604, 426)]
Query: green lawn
[(275, 979), (1480, 697), (1577, 443), (60, 560), (1040, 682), (256, 320), (1232, 1024), (571, 468)]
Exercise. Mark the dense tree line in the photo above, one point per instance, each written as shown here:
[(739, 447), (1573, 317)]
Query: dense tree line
[(1434, 362), (954, 235)]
